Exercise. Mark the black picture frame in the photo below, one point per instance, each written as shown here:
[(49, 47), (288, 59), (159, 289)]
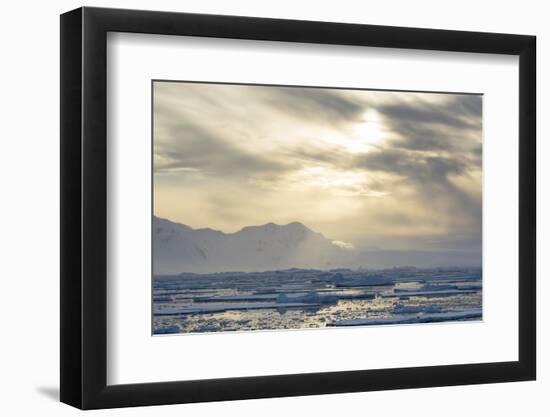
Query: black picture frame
[(84, 207)]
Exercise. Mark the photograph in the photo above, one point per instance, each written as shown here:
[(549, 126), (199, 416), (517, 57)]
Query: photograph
[(293, 207), (279, 204)]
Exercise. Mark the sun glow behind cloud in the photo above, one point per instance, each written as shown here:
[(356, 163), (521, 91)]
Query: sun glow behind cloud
[(369, 132)]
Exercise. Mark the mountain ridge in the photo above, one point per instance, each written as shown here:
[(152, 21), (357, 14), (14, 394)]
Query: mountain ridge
[(265, 225), (179, 248)]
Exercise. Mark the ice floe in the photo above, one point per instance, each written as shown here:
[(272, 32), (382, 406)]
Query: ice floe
[(444, 293), (204, 309), (299, 298), (402, 309), (474, 313)]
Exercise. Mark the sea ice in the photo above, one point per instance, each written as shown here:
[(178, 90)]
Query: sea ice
[(167, 330), (401, 309), (473, 313), (426, 293), (204, 309)]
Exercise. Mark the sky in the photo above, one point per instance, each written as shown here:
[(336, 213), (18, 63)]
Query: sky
[(370, 169)]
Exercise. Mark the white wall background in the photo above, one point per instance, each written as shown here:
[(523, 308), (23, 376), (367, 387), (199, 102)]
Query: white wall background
[(29, 225)]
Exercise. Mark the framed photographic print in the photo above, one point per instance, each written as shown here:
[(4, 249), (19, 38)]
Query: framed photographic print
[(258, 207)]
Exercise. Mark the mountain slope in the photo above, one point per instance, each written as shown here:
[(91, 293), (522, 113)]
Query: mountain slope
[(179, 248)]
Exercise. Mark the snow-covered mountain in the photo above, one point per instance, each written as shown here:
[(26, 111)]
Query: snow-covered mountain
[(179, 248)]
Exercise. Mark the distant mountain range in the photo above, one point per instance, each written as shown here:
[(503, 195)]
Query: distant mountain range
[(179, 248)]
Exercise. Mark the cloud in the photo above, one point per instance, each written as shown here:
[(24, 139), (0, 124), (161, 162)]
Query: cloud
[(431, 180), (454, 125), (193, 147), (434, 154), (460, 111), (365, 168), (343, 245), (186, 142), (320, 105), (416, 166)]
